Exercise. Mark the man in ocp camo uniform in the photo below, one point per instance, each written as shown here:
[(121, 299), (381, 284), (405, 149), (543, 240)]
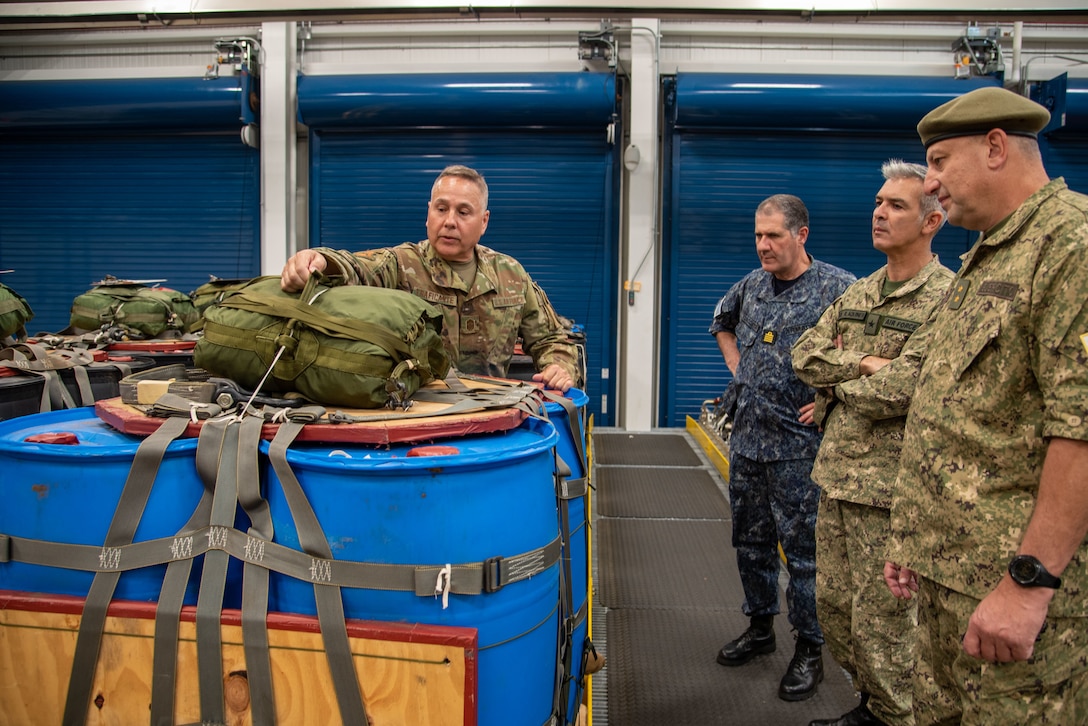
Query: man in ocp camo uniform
[(990, 509), (487, 299), (852, 357), (771, 493)]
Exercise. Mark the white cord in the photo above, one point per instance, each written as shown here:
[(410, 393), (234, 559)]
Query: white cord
[(442, 585)]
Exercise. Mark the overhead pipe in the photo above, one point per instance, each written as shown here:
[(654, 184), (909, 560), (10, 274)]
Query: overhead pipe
[(1017, 50)]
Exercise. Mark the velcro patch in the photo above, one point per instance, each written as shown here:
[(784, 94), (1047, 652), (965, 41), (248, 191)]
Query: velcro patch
[(1003, 290)]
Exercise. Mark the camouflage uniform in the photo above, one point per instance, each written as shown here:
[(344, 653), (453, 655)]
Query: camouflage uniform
[(868, 630), (481, 320), (771, 493), (1005, 370)]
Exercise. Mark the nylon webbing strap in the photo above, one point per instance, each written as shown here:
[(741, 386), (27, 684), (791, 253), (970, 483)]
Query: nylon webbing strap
[(566, 490), (168, 612), (566, 589), (255, 576), (83, 383), (330, 606), (459, 400), (471, 578), (575, 421), (221, 435), (122, 529)]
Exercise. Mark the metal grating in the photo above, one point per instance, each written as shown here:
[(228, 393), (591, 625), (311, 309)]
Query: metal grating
[(649, 563), (662, 671), (630, 491), (644, 450), (667, 596)]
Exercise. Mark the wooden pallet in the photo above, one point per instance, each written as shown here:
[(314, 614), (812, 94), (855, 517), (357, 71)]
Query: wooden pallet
[(422, 675)]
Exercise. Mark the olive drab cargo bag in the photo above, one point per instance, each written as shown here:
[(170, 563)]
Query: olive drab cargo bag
[(352, 346), (214, 290), (15, 313), (147, 311)]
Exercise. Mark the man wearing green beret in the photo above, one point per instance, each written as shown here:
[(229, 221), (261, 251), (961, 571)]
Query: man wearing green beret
[(990, 508)]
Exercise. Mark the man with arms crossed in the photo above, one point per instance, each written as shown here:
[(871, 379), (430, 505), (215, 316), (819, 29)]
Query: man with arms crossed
[(861, 405)]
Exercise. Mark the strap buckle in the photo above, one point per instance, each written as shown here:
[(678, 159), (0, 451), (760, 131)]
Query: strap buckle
[(493, 574)]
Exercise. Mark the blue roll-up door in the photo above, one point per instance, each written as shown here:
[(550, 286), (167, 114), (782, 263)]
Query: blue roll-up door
[(733, 140), (1065, 150), (146, 179), (542, 142)]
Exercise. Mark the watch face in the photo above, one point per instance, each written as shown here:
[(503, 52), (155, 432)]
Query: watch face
[(1023, 569)]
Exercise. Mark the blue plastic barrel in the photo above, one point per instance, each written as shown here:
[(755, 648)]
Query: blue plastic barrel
[(579, 531), (480, 497), (68, 493)]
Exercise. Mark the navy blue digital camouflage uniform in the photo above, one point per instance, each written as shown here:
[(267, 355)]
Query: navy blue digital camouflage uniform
[(771, 492)]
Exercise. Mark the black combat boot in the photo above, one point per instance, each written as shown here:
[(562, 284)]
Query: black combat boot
[(756, 640), (805, 672), (860, 716)]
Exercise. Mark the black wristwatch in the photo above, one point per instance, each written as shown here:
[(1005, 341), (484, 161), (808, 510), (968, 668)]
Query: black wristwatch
[(1027, 571)]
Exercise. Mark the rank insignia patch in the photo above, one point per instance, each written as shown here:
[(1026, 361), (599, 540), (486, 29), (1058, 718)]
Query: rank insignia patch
[(1084, 341), (769, 336), (959, 292)]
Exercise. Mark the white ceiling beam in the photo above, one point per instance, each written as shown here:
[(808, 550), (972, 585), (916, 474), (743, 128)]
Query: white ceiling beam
[(61, 9)]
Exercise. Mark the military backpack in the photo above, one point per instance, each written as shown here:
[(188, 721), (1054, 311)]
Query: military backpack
[(15, 313), (149, 311), (214, 290), (352, 346)]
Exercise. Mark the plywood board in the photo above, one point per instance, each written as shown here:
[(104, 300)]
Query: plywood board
[(409, 674)]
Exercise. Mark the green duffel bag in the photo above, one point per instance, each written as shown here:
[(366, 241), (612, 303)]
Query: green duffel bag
[(150, 311), (15, 313), (352, 346), (214, 290)]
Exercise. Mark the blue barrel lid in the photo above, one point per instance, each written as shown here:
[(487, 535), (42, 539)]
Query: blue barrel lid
[(531, 438), (96, 437)]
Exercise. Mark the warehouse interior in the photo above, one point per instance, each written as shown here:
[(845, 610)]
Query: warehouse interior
[(626, 145)]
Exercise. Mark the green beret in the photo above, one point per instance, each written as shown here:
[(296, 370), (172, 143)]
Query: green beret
[(981, 111)]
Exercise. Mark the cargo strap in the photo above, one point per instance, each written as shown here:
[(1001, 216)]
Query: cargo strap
[(330, 604), (157, 392), (121, 531), (568, 488), (39, 360), (471, 578)]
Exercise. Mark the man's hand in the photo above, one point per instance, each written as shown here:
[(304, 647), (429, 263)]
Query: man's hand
[(1006, 623), (807, 413), (870, 364), (903, 582), (298, 269), (555, 376)]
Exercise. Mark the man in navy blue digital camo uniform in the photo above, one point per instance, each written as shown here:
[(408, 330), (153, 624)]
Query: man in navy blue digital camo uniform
[(773, 442)]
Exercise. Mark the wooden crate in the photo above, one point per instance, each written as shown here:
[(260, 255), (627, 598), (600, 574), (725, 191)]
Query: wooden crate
[(414, 674)]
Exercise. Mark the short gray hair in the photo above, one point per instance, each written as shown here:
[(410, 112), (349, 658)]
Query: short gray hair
[(898, 169), (464, 172)]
